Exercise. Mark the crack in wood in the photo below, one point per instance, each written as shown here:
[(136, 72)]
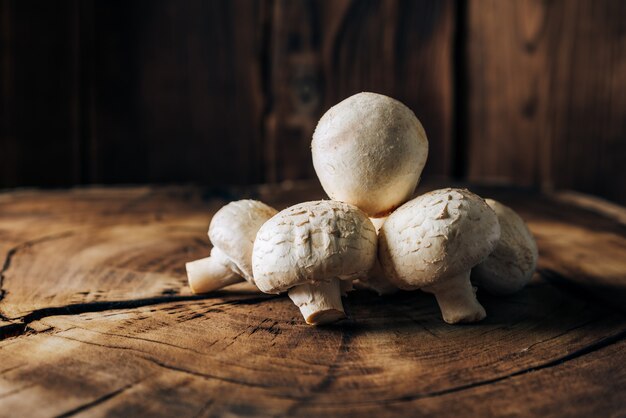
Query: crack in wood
[(567, 331), (12, 330), (100, 400), (331, 373), (5, 267), (114, 347), (7, 370), (407, 314), (131, 337), (13, 252), (146, 355), (206, 375), (202, 411), (16, 329), (18, 390), (588, 349)]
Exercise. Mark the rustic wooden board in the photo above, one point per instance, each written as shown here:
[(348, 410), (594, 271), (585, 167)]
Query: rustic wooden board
[(324, 51), (524, 92), (133, 92), (540, 110), (97, 320)]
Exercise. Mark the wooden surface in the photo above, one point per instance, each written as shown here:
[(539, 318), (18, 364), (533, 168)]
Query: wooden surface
[(209, 91), (547, 94), (324, 51), (129, 92), (524, 92), (97, 320)]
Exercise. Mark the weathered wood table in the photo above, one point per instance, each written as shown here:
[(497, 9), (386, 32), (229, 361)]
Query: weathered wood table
[(97, 320)]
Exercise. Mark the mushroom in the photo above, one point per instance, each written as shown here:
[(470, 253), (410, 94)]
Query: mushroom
[(375, 279), (232, 232), (512, 264), (369, 150), (308, 249), (433, 241)]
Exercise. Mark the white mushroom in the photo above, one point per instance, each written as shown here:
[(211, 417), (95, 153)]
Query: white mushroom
[(307, 249), (232, 232), (512, 264), (433, 241), (369, 150), (375, 279)]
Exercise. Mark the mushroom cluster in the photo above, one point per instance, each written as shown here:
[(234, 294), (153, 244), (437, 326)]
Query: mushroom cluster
[(369, 152)]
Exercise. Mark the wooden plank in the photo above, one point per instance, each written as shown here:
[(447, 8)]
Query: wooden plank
[(177, 88), (540, 112), (325, 51), (37, 133), (102, 233), (239, 355), (97, 320), (35, 229), (595, 101), (87, 225)]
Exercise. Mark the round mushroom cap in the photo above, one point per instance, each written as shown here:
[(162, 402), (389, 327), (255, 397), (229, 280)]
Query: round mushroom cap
[(511, 265), (369, 150), (435, 236), (313, 242), (234, 228)]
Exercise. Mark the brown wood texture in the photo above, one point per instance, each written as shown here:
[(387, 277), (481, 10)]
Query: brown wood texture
[(547, 94), (97, 320), (325, 51), (212, 92), (525, 92)]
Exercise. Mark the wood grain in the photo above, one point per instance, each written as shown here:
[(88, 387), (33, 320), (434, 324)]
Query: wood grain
[(524, 92), (97, 321), (213, 92), (547, 94), (325, 51)]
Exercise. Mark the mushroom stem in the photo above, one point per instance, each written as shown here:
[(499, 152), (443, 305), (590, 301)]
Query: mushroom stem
[(319, 303), (457, 299), (211, 273)]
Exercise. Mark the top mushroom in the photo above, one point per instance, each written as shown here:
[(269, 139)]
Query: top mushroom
[(369, 150)]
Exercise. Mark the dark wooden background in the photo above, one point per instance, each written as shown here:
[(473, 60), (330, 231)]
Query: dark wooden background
[(228, 92)]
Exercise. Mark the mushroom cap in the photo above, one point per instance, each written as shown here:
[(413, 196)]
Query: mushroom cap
[(369, 150), (233, 229), (313, 242), (435, 236), (511, 265)]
